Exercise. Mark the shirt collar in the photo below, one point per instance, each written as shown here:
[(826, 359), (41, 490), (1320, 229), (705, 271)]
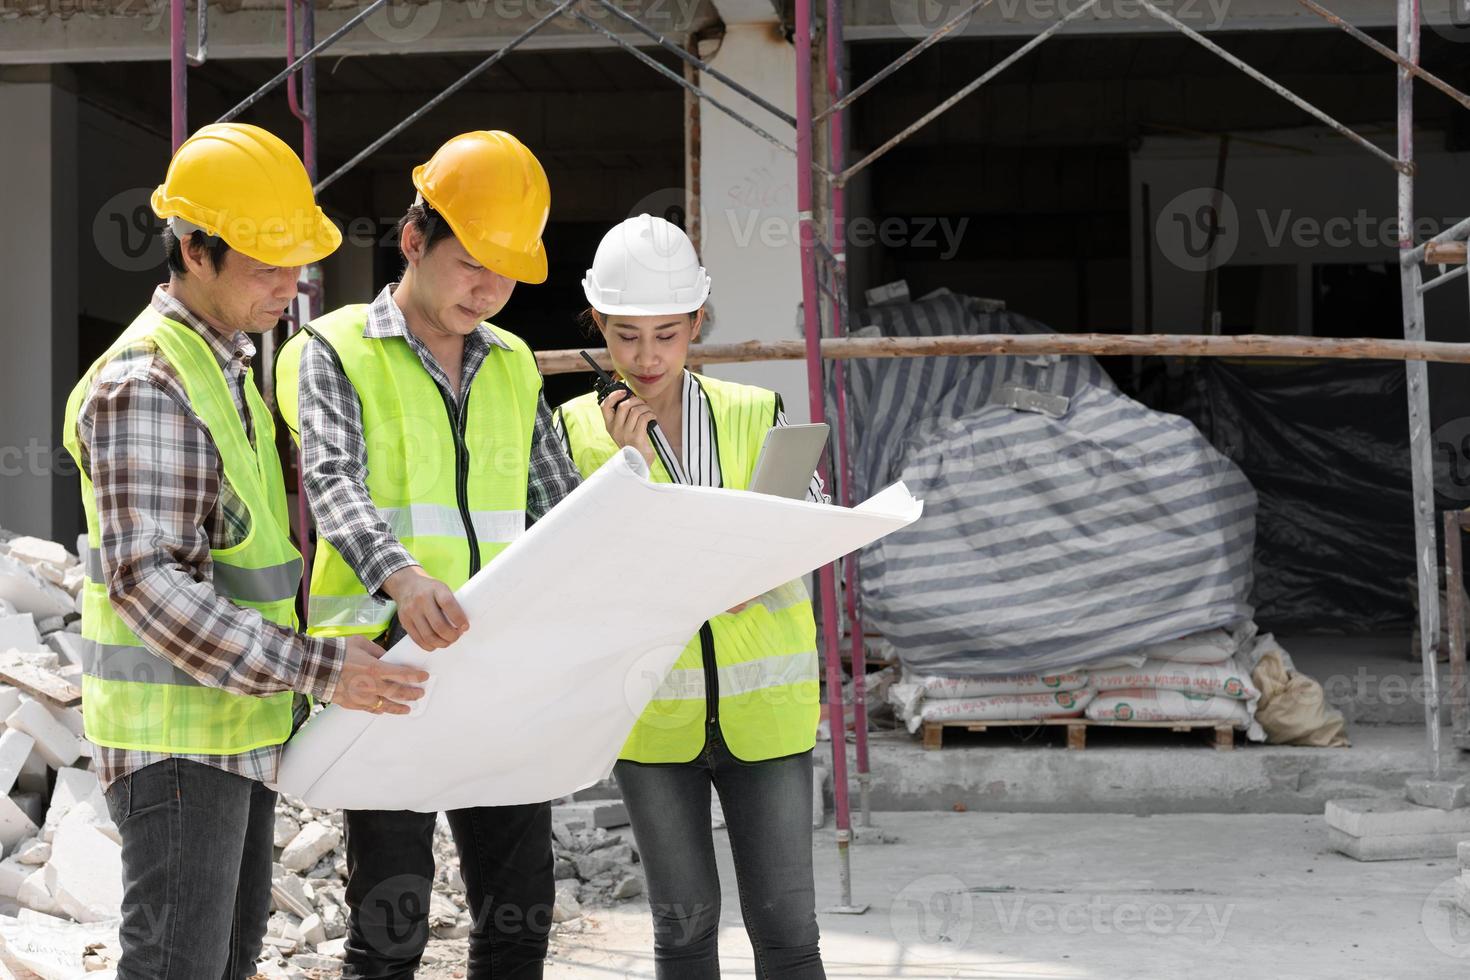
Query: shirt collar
[(233, 352), (386, 319)]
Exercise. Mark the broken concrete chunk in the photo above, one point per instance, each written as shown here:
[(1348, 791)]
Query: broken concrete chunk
[(286, 829), (57, 745), (1443, 794), (72, 787), (15, 749), (34, 775), (28, 592), (85, 871), (593, 813), (334, 922), (290, 894), (37, 551), (15, 826), (566, 907), (33, 852), (13, 873), (309, 846), (312, 930), (31, 804), (336, 948), (19, 632), (629, 886), (35, 895)]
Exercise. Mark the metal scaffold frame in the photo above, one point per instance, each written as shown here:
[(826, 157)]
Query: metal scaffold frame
[(821, 208)]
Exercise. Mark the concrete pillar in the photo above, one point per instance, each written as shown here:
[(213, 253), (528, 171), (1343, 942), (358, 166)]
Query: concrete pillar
[(38, 334), (748, 212)]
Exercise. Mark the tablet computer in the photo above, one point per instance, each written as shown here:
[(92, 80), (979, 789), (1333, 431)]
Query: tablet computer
[(788, 458)]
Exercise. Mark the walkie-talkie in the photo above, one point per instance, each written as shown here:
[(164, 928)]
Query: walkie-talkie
[(605, 385)]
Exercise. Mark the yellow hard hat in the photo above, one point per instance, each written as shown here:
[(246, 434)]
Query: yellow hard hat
[(494, 194), (246, 186)]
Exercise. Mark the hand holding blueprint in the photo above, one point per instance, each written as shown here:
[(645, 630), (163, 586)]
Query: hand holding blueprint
[(572, 629)]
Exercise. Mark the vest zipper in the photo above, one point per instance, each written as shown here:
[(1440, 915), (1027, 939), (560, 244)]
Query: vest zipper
[(462, 475), (711, 676)]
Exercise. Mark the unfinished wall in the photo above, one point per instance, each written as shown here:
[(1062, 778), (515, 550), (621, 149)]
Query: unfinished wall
[(38, 333), (749, 212)]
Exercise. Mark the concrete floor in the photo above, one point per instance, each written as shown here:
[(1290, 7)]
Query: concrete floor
[(1105, 896)]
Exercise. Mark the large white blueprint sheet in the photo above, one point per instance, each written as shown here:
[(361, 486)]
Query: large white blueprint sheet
[(572, 629)]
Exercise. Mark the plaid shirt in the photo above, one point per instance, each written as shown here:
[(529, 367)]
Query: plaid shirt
[(335, 453), (162, 504)]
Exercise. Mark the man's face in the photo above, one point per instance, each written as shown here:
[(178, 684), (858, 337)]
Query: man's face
[(243, 294), (455, 291)]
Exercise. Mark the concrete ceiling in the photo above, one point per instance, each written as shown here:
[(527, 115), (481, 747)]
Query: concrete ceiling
[(34, 32)]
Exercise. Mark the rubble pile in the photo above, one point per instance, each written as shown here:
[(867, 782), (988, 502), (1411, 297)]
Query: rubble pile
[(60, 853)]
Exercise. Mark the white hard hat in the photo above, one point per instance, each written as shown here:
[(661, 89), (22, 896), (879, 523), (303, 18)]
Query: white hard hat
[(646, 266)]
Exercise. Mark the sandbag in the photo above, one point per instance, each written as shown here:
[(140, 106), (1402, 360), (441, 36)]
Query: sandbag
[(989, 685), (1223, 680), (1293, 709), (1208, 647), (1163, 705), (1003, 707)]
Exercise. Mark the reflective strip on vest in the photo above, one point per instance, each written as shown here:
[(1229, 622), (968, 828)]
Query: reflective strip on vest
[(741, 678), (438, 521), (271, 584), (349, 610), (112, 662)]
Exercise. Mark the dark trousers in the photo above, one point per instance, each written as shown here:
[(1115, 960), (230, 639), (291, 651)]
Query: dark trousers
[(506, 862), (196, 856), (768, 812)]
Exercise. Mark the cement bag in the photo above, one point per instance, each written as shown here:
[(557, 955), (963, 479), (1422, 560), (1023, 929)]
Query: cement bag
[(1155, 705), (1224, 680), (989, 685), (1003, 707), (1293, 709), (1208, 647)]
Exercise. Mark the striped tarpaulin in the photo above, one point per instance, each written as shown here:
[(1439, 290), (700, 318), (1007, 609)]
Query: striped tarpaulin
[(1046, 542)]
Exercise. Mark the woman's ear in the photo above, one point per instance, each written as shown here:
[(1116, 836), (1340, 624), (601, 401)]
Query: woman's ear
[(696, 326)]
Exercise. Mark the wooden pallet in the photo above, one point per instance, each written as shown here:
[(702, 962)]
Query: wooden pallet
[(1077, 729)]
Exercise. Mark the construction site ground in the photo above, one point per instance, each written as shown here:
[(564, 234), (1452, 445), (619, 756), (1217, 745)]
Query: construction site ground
[(1074, 896)]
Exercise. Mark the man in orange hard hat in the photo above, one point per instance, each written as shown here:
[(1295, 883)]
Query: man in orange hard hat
[(194, 674), (427, 446)]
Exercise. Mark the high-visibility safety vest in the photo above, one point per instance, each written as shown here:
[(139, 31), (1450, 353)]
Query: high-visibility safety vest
[(451, 486), (753, 673), (131, 697)]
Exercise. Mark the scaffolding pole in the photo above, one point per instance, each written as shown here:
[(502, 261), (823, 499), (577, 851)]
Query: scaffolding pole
[(846, 467), (817, 397), (1421, 460)]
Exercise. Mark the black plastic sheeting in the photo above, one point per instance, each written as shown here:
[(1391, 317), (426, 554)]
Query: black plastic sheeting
[(1326, 446)]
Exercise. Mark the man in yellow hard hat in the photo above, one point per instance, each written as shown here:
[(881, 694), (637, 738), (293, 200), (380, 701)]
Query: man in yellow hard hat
[(194, 674), (427, 447)]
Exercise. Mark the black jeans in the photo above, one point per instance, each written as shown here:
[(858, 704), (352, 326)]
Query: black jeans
[(505, 860), (196, 856), (768, 812)]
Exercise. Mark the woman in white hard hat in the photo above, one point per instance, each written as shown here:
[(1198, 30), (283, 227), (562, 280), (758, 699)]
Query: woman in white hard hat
[(738, 712)]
